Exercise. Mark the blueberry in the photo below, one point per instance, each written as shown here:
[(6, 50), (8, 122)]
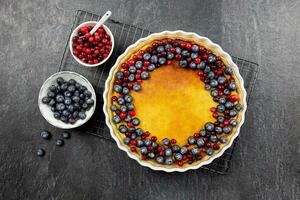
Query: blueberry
[(195, 48), (159, 159), (195, 151), (136, 87), (183, 150), (228, 70), (133, 136), (59, 142), (60, 80), (154, 59), (223, 140), (125, 90), (213, 83), (139, 143), (138, 64), (66, 135), (175, 148), (151, 155), (117, 88), (77, 94), (168, 46), (131, 130), (232, 86), (151, 67), (123, 129), (144, 75), (222, 100), (119, 75), (202, 133), (67, 94), (82, 88), (60, 106), (168, 152), (87, 93), (131, 77), (211, 58), (209, 126), (233, 122), (146, 56), (53, 109), (51, 94), (46, 100), (40, 152), (206, 69), (238, 106), (160, 49), (64, 87), (90, 101), (166, 141), (218, 130), (232, 113), (178, 156), (63, 118), (77, 85), (194, 55), (81, 115), (201, 65), (130, 106), (132, 69), (65, 113), (76, 106), (126, 140), (185, 53), (221, 108), (72, 82), (193, 65), (207, 87), (128, 98), (183, 63), (72, 120), (154, 145), (200, 142), (226, 91), (139, 131), (75, 114), (226, 129), (220, 119), (169, 161), (135, 121), (178, 50), (221, 80), (162, 60), (209, 151), (56, 115), (59, 98), (213, 138), (214, 93), (229, 105), (170, 55), (147, 142), (211, 75), (85, 106), (123, 108), (45, 135), (52, 88), (121, 101), (191, 140)]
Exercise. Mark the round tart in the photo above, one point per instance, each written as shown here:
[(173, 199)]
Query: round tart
[(174, 101)]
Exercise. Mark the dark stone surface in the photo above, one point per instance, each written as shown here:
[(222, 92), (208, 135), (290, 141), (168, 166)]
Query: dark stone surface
[(266, 162)]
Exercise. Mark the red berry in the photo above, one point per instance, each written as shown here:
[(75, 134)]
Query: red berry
[(87, 51), (131, 62), (129, 124), (91, 39), (114, 98), (144, 157), (216, 147), (234, 98), (215, 115), (226, 122), (204, 56), (173, 141), (161, 153), (189, 59), (197, 60), (146, 133), (139, 81), (146, 63), (188, 46), (200, 73), (180, 163), (87, 35), (213, 109), (132, 142), (153, 138), (172, 49), (122, 115), (90, 62), (169, 62), (133, 149), (131, 113), (150, 148), (95, 61), (177, 57)]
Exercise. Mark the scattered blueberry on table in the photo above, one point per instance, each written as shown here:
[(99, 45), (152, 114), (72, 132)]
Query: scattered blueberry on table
[(66, 135), (40, 152), (46, 135), (68, 100), (59, 142)]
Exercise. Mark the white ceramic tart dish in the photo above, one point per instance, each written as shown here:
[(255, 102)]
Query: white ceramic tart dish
[(187, 119)]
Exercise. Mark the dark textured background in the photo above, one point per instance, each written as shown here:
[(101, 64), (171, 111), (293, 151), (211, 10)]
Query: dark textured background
[(265, 164)]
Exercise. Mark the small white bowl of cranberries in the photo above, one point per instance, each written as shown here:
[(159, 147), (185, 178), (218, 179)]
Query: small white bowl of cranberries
[(91, 50)]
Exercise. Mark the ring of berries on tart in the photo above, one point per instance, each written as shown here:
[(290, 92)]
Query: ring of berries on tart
[(174, 101)]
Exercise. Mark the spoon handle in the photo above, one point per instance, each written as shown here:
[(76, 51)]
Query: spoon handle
[(101, 21)]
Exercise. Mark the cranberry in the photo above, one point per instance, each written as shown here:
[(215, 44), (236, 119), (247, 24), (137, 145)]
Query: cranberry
[(146, 133), (150, 148), (173, 141), (197, 60), (153, 138), (216, 147), (132, 142), (133, 149), (233, 98), (177, 57), (122, 115), (188, 46), (131, 113), (213, 109), (114, 98), (180, 163)]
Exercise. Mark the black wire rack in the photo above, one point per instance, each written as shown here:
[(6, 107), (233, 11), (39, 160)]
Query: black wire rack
[(124, 35)]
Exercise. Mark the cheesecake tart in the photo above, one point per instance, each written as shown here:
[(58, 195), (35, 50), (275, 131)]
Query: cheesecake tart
[(174, 101)]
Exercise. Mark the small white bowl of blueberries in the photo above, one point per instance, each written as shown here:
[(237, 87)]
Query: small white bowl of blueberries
[(67, 100)]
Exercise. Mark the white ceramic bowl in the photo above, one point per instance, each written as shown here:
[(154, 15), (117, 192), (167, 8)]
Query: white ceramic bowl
[(74, 33), (45, 109), (210, 45)]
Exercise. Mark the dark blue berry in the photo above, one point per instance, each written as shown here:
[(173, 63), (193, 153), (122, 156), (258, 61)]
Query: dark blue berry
[(60, 106), (229, 105), (193, 65), (67, 94), (233, 122), (119, 75), (226, 91), (194, 55), (151, 67), (139, 131), (130, 106), (71, 88), (162, 60), (133, 136), (65, 113), (209, 126), (125, 90), (46, 100), (147, 142), (209, 151), (136, 87), (168, 46), (232, 86), (66, 135), (123, 108), (218, 130), (166, 141), (169, 161), (191, 140), (81, 115), (228, 70), (56, 115), (139, 143), (232, 113), (211, 75), (64, 87), (195, 48), (211, 58), (131, 78), (213, 138), (222, 100), (40, 152), (226, 129), (221, 80), (146, 56), (144, 75), (138, 64), (51, 94), (220, 108), (223, 140), (135, 121), (67, 101), (214, 93), (117, 88), (195, 151), (207, 87), (183, 63), (151, 155), (201, 65), (126, 140), (87, 93), (202, 133), (121, 101), (53, 88), (45, 135), (60, 80), (159, 159), (132, 69), (170, 55), (183, 150), (178, 156), (178, 50), (59, 142), (175, 148), (213, 83), (160, 49), (90, 101), (185, 53), (168, 152), (206, 69), (154, 59), (200, 142), (238, 107)]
